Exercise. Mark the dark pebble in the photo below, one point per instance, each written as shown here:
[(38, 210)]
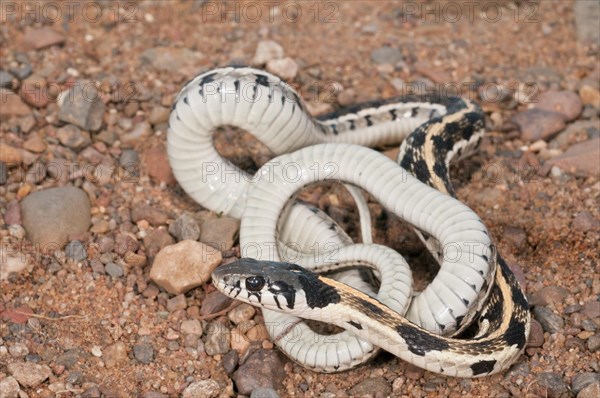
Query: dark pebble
[(263, 392), (582, 380), (92, 392), (536, 334), (550, 321), (230, 361), (69, 358), (516, 236), (3, 173), (155, 394), (263, 368), (143, 353), (74, 377), (82, 110), (549, 295), (5, 79), (185, 227), (377, 386), (153, 215), (214, 302), (114, 270), (553, 385), (75, 251), (156, 240)]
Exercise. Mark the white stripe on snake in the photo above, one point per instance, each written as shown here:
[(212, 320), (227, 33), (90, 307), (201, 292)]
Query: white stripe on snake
[(456, 295)]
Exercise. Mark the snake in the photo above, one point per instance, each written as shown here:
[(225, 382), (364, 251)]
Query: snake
[(433, 133)]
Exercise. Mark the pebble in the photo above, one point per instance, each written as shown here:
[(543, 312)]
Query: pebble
[(550, 321), (29, 374), (153, 215), (581, 159), (593, 343), (166, 59), (587, 13), (214, 302), (156, 240), (158, 115), (582, 380), (230, 361), (591, 309), (414, 372), (584, 221), (129, 159), (16, 231), (262, 392), (140, 132), (12, 105), (156, 164), (424, 68), (590, 96), (75, 251), (185, 227), (51, 215), (536, 334), (115, 354), (74, 378), (536, 124), (347, 97), (220, 233), (114, 270), (202, 389), (565, 103), (6, 79), (155, 394), (91, 392), (241, 313), (35, 144), (81, 107), (591, 391), (239, 342), (553, 385), (9, 388), (183, 266), (267, 50), (33, 91), (144, 352), (516, 236), (263, 368), (18, 350), (386, 55), (191, 326), (38, 38), (3, 173), (377, 386), (549, 295), (176, 303), (217, 339), (286, 68), (126, 243), (72, 137)]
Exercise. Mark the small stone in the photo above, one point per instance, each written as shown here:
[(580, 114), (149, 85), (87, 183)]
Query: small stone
[(166, 59), (220, 233), (153, 215), (553, 385), (214, 302), (156, 240), (369, 28), (140, 132), (347, 97), (115, 354), (581, 159), (241, 313), (386, 55), (51, 215), (550, 321), (239, 342), (258, 333), (263, 368), (584, 221), (424, 68), (82, 106), (191, 326), (18, 350), (185, 227), (286, 68), (6, 79), (35, 144), (126, 243), (582, 380), (75, 251), (158, 115), (38, 38), (151, 291), (591, 309), (536, 334), (156, 164), (414, 372), (16, 231), (96, 351), (516, 236), (12, 105), (377, 386), (29, 374), (184, 266), (590, 391), (202, 389), (263, 392), (593, 343), (114, 270), (129, 159), (217, 339), (9, 388), (549, 295), (266, 51), (33, 91), (74, 378), (230, 361), (144, 353), (69, 358), (566, 103), (72, 137), (10, 155), (590, 96), (3, 174), (155, 394), (91, 392), (536, 124), (176, 303)]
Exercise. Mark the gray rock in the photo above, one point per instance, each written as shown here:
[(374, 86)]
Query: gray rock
[(155, 394), (536, 124), (593, 343), (82, 107), (550, 321), (263, 368), (144, 352), (114, 270), (22, 71), (74, 378), (549, 295), (566, 103), (377, 386), (153, 215), (75, 251), (266, 51), (130, 161), (6, 79), (185, 227), (230, 361), (590, 391), (176, 303), (217, 339), (591, 309), (536, 335), (9, 388), (214, 302), (191, 326), (71, 136), (18, 350), (49, 216), (69, 358), (584, 221), (3, 173), (553, 384), (91, 392), (220, 233), (263, 392), (202, 389), (156, 240), (582, 380), (169, 58), (386, 55), (29, 374), (587, 14)]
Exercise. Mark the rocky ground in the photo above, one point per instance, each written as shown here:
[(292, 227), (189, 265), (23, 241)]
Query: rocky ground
[(86, 92)]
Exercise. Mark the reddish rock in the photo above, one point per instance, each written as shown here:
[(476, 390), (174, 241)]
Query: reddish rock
[(12, 105), (33, 91), (584, 221), (17, 315), (156, 163), (536, 124), (38, 38), (536, 335), (153, 215), (580, 159), (438, 76), (566, 103), (156, 240), (13, 213)]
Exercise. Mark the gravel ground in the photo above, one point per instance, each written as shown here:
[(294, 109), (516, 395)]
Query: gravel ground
[(90, 206)]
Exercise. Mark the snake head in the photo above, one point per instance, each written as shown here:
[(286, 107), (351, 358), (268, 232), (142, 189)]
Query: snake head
[(277, 286)]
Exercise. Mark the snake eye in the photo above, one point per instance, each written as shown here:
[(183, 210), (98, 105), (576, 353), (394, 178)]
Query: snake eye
[(255, 283)]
